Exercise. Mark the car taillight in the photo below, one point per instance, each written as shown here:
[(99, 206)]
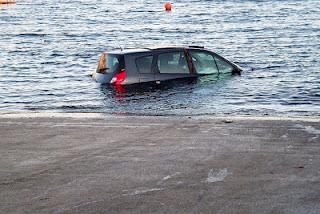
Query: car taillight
[(119, 77), (102, 64)]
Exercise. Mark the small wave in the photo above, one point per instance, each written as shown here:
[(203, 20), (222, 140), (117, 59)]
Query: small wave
[(32, 34)]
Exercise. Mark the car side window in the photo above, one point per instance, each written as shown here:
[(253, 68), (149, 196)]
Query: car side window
[(204, 62), (172, 63), (224, 67), (144, 64)]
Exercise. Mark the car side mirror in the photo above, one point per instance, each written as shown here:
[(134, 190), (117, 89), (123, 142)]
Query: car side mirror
[(236, 71)]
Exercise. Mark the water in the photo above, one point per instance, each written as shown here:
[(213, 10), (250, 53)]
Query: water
[(48, 48)]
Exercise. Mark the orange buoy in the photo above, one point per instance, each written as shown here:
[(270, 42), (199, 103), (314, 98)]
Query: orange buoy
[(168, 6), (7, 1)]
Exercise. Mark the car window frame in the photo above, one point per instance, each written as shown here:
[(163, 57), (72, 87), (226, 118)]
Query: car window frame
[(203, 51), (214, 55), (152, 70), (226, 61), (186, 55)]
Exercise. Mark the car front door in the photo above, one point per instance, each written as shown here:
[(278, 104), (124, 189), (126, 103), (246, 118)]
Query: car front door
[(172, 65), (204, 62)]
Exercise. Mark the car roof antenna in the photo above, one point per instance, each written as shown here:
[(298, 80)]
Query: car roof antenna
[(120, 46)]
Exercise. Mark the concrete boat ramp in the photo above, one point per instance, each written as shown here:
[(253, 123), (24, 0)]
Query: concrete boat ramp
[(91, 163)]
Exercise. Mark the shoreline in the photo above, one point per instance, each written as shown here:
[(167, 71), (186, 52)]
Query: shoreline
[(106, 115)]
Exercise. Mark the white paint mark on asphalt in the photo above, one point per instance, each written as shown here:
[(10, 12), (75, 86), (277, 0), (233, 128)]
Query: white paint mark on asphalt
[(167, 177), (312, 130), (143, 191), (215, 176), (314, 138), (170, 176), (309, 129)]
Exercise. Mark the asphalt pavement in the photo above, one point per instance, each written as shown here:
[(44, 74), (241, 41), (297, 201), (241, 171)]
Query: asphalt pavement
[(82, 163)]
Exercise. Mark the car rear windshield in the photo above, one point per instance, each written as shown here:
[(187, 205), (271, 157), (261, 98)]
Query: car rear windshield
[(114, 63)]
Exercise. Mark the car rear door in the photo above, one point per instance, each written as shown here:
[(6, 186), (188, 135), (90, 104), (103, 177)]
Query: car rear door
[(145, 67)]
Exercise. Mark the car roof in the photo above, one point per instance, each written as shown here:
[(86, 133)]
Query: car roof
[(150, 49), (128, 51)]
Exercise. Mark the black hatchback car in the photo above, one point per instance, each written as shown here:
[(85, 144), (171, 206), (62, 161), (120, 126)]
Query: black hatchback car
[(160, 64)]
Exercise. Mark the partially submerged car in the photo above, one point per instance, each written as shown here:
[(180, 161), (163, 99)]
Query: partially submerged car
[(158, 64)]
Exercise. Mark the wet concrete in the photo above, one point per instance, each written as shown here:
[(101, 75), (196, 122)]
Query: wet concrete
[(159, 165)]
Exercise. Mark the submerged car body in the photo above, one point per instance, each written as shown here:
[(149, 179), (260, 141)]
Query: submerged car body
[(160, 64)]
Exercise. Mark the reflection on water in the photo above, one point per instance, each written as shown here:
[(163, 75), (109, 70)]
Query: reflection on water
[(148, 98), (47, 50), (147, 89)]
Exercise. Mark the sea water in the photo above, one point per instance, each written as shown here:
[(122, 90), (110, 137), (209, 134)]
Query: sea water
[(49, 48)]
